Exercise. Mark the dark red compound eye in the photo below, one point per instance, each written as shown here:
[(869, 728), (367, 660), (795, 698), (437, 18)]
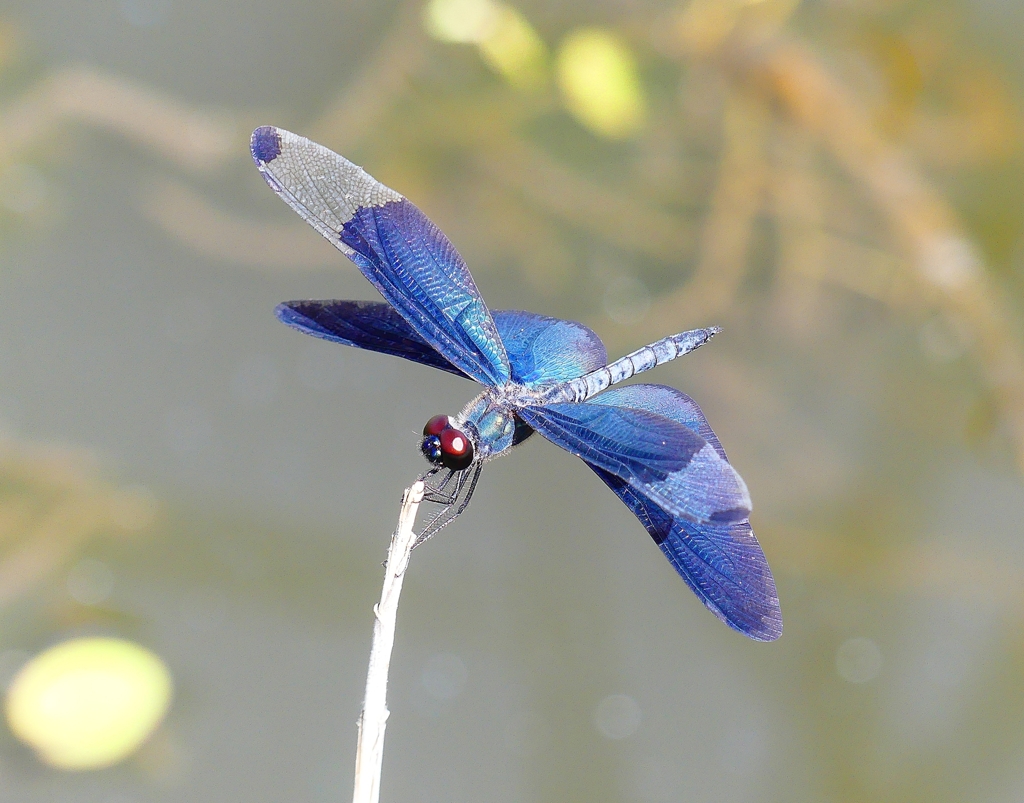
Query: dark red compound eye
[(436, 425), (456, 449)]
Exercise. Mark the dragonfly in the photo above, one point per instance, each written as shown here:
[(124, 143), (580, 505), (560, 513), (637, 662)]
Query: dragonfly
[(650, 444)]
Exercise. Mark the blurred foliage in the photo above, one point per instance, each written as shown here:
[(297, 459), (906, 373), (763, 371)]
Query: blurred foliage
[(837, 183)]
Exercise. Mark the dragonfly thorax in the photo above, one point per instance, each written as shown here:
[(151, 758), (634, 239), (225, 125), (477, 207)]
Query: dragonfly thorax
[(446, 445), (490, 422)]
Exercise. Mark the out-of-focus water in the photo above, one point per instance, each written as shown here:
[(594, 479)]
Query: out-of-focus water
[(836, 184)]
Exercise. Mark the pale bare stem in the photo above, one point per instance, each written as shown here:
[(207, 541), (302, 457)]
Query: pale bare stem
[(374, 716), (194, 139)]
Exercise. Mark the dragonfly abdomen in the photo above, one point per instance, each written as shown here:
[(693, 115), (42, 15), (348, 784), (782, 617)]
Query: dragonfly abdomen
[(643, 359)]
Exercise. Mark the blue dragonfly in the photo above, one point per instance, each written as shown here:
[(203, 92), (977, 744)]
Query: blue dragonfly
[(649, 443)]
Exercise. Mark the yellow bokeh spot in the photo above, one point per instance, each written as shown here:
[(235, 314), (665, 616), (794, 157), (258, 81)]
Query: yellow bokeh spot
[(514, 50), (508, 43), (599, 81), (467, 21), (89, 702)]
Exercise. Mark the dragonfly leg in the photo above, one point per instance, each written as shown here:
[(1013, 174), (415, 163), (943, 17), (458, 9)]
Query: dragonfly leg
[(441, 489), (453, 497)]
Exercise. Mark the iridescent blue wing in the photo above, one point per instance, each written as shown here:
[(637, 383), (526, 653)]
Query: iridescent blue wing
[(666, 401), (394, 245), (544, 349), (657, 457), (371, 325), (722, 564), (539, 348)]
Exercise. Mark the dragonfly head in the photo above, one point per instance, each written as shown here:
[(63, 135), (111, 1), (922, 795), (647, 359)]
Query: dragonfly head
[(444, 445)]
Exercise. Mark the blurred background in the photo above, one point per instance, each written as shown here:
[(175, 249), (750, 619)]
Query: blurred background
[(195, 501)]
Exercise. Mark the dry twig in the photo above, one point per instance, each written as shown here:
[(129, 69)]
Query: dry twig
[(374, 716)]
